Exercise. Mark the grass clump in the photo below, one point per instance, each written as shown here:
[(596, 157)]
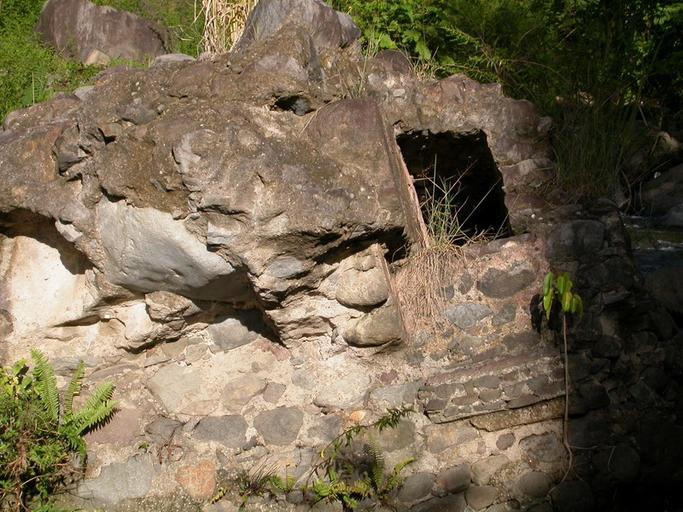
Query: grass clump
[(42, 449), (181, 18), (30, 72)]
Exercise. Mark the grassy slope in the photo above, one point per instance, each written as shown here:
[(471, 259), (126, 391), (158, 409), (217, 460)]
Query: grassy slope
[(30, 72)]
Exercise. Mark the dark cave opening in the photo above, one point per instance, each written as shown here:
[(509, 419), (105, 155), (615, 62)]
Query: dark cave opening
[(457, 173)]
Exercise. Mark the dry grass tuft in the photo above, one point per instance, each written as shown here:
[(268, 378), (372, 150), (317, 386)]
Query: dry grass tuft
[(223, 23), (421, 282)]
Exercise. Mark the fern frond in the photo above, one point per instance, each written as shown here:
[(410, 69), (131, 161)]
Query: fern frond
[(377, 465), (95, 416), (46, 384), (73, 389), (96, 410), (395, 478)]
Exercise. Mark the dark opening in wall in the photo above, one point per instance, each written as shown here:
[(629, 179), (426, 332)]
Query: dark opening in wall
[(457, 171)]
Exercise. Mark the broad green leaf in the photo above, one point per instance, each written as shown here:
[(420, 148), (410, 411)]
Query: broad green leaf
[(567, 301), (548, 304), (548, 283)]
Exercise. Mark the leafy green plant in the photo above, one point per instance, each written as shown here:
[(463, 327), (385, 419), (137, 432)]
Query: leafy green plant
[(559, 296), (258, 482), (42, 447), (347, 477)]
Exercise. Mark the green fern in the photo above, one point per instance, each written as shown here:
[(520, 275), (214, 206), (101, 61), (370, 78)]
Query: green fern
[(46, 384), (74, 388), (37, 443)]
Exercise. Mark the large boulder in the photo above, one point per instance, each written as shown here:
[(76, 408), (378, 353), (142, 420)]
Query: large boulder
[(95, 35), (254, 180)]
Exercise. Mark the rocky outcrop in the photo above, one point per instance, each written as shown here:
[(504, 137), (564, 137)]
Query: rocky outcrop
[(96, 35), (236, 243)]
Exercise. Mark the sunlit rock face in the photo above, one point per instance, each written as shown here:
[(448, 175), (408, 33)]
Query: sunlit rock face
[(239, 244)]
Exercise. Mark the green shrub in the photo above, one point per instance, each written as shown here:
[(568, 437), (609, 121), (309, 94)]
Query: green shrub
[(595, 66), (41, 441)]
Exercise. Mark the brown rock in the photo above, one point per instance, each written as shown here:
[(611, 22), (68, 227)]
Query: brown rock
[(198, 480)]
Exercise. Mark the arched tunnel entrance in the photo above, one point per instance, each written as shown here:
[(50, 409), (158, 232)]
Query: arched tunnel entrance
[(457, 182)]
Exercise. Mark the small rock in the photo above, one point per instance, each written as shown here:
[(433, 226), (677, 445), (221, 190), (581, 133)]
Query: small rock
[(356, 289), (198, 480), (381, 326), (119, 430), (572, 496), (279, 426), (230, 334), (120, 481), (394, 396), (534, 484), (228, 430), (543, 447), (397, 438), (171, 58), (505, 315), (504, 283), (441, 437), (161, 429), (485, 469), (467, 315), (452, 503), (480, 497), (416, 487), (505, 441), (273, 392), (238, 392), (453, 480)]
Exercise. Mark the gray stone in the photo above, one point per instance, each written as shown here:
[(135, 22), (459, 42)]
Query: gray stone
[(416, 487), (534, 484), (480, 497), (169, 59), (229, 430), (231, 333), (394, 396), (505, 441), (238, 392), (576, 239), (174, 385), (487, 381), (399, 437), (161, 429), (467, 315), (342, 391), (465, 283), (120, 481), (80, 28), (485, 469), (381, 326), (607, 346), (546, 447), (441, 437), (357, 289), (273, 392), (325, 427), (452, 503), (572, 496), (505, 315), (279, 426), (489, 395), (622, 463), (453, 480), (147, 250), (332, 29), (504, 283)]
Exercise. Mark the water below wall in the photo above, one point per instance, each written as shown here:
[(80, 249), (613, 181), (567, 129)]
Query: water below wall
[(654, 245)]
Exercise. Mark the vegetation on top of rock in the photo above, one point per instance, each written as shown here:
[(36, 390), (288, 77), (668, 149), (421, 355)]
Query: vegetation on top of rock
[(605, 72), (41, 441)]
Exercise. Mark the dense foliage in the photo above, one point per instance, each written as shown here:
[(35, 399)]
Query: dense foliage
[(41, 440), (600, 68)]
